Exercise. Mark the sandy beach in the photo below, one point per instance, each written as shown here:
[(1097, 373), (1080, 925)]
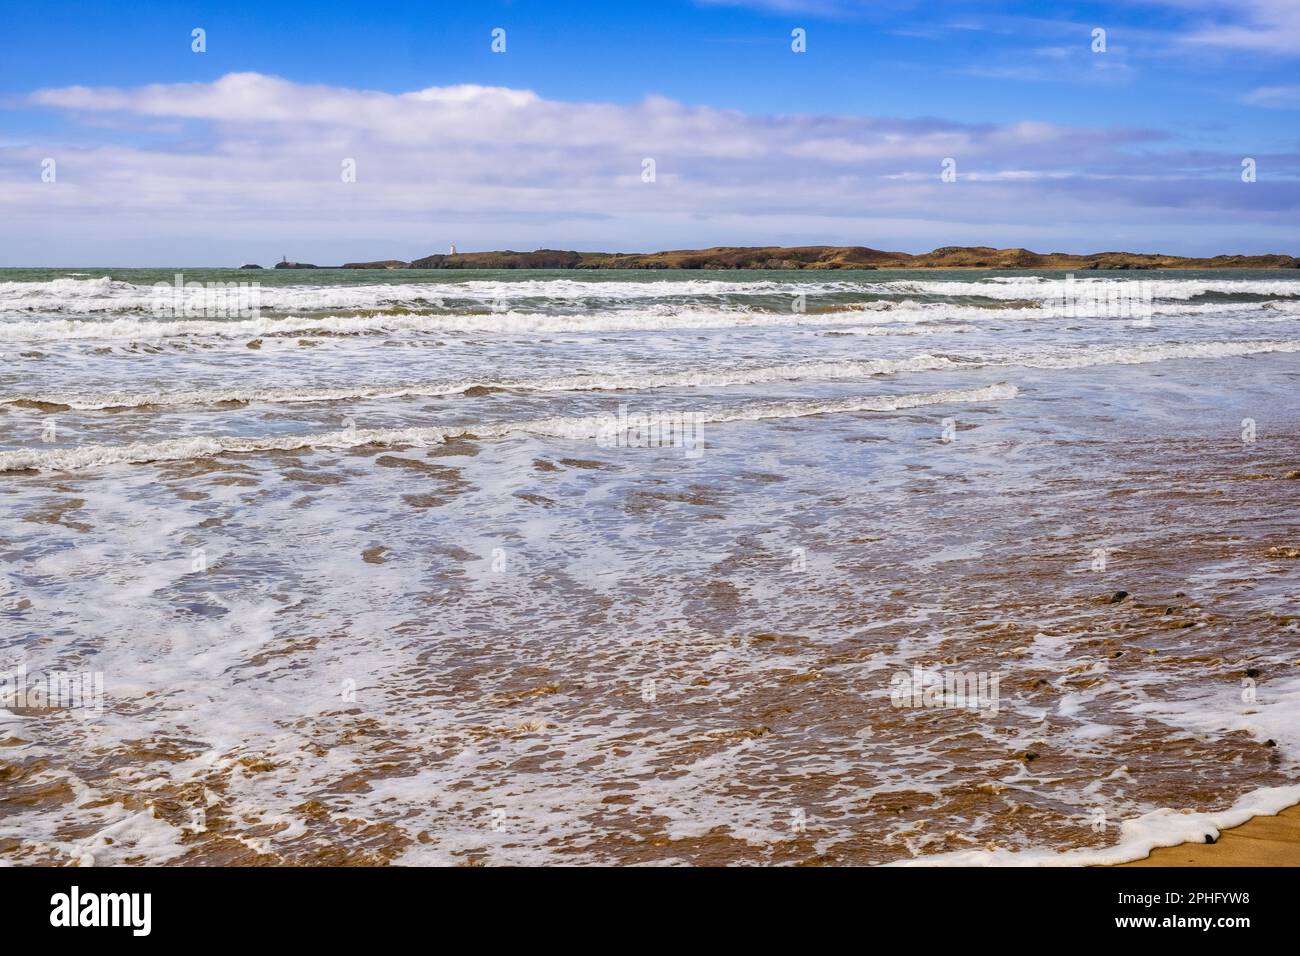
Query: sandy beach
[(1263, 841)]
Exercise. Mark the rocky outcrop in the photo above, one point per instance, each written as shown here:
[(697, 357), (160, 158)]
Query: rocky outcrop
[(381, 264), (250, 265), (294, 265)]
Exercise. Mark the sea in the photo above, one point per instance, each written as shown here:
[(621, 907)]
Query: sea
[(664, 568)]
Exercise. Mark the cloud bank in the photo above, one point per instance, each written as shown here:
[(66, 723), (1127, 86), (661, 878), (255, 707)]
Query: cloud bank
[(251, 161)]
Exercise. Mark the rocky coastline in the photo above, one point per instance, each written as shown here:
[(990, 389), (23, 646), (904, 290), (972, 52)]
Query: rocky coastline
[(817, 257)]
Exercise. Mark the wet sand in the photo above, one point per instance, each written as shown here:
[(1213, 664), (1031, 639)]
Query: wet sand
[(1261, 841)]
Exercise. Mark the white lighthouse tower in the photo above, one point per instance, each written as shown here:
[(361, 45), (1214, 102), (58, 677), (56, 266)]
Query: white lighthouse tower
[(453, 250)]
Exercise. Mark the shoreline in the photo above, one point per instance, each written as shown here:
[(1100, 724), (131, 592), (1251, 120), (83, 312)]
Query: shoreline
[(1264, 840)]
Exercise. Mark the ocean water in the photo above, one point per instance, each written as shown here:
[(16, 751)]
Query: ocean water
[(557, 567)]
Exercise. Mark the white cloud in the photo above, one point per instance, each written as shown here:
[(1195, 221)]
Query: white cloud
[(1270, 26), (251, 158), (1279, 97)]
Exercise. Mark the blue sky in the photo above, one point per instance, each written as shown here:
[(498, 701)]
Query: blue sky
[(166, 156)]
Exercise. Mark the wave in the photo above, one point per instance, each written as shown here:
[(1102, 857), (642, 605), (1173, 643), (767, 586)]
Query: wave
[(655, 319), (652, 319), (1138, 836), (1036, 287), (107, 295), (1142, 354), (638, 381), (559, 383), (938, 328), (585, 427)]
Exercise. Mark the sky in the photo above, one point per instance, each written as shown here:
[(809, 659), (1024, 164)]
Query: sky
[(340, 131)]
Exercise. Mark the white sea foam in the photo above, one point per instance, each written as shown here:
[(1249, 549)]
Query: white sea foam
[(179, 449), (1034, 287), (1141, 354), (1137, 837), (1276, 716), (699, 378), (658, 318), (104, 295), (653, 318)]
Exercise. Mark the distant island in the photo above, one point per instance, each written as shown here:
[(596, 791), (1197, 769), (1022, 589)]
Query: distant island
[(814, 257)]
